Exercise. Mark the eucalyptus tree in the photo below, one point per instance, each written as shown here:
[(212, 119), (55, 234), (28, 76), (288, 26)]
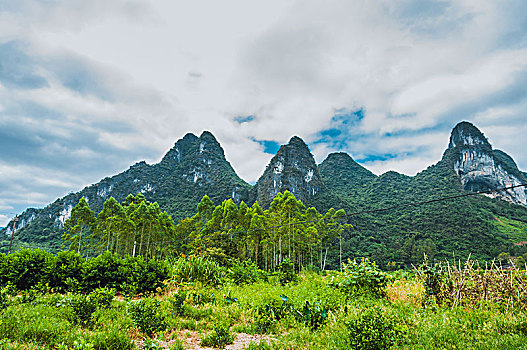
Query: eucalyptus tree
[(79, 226)]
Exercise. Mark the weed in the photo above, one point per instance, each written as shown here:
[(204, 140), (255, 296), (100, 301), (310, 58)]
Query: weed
[(177, 301), (218, 338), (151, 344), (197, 269), (145, 316), (363, 278), (371, 330), (177, 345)]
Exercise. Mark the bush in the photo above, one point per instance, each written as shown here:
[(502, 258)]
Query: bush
[(363, 278), (67, 272), (5, 293), (197, 269), (218, 338), (143, 276), (177, 301), (27, 268), (286, 272), (245, 272), (371, 330), (103, 271), (145, 315), (84, 306)]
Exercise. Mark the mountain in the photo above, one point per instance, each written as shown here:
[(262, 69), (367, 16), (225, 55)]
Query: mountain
[(481, 168), (467, 225), (481, 225), (195, 166), (294, 169), (343, 175)]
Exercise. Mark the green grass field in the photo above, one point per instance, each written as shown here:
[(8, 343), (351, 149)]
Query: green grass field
[(360, 309)]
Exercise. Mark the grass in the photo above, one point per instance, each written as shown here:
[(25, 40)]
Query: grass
[(400, 320), (514, 229)]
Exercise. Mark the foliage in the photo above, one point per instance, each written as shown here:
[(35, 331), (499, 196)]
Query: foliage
[(286, 272), (145, 315), (371, 330), (84, 306), (192, 268), (176, 302), (363, 278), (27, 268), (218, 338), (40, 271), (314, 316), (151, 344), (400, 322), (245, 272)]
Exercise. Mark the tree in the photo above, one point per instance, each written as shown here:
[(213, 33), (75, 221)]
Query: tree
[(79, 226)]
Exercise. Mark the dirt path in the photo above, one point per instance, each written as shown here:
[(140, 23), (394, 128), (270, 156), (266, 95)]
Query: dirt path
[(192, 339)]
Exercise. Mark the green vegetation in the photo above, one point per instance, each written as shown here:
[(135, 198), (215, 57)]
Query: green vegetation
[(195, 171), (399, 237), (434, 306), (41, 271)]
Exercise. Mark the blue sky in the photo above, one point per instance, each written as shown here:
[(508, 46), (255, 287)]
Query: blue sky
[(88, 88)]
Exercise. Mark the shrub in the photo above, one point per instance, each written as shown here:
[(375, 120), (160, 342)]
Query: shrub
[(5, 292), (177, 301), (197, 269), (84, 306), (286, 272), (28, 267), (103, 271), (67, 269), (145, 315), (363, 278), (218, 338), (245, 272), (143, 276), (371, 330)]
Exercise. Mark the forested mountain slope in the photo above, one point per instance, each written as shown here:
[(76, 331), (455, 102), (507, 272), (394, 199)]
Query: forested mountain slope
[(196, 166)]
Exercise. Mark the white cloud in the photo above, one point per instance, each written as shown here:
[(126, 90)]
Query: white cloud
[(4, 220), (126, 79)]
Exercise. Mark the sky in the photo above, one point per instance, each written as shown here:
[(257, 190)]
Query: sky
[(88, 88)]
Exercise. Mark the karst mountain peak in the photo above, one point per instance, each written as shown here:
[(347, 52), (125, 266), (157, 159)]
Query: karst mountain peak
[(196, 166)]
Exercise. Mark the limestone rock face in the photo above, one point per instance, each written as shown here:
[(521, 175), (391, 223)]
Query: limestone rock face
[(293, 169), (480, 168), (195, 166)]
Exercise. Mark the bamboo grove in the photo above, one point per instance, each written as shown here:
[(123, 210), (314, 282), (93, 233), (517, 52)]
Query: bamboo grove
[(287, 230)]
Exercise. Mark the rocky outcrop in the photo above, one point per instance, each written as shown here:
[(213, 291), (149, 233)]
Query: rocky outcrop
[(195, 166), (292, 169), (480, 168)]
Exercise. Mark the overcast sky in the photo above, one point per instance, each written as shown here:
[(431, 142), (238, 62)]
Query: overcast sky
[(88, 88)]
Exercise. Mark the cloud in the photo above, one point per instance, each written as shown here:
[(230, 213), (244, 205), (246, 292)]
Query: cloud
[(89, 87), (4, 220), (18, 70)]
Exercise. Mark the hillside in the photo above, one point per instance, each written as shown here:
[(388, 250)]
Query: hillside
[(196, 166)]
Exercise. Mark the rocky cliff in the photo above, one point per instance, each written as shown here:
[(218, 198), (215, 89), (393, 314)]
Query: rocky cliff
[(294, 169), (195, 166), (480, 168)]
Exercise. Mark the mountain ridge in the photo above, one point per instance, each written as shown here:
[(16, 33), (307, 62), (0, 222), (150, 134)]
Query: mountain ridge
[(196, 165)]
